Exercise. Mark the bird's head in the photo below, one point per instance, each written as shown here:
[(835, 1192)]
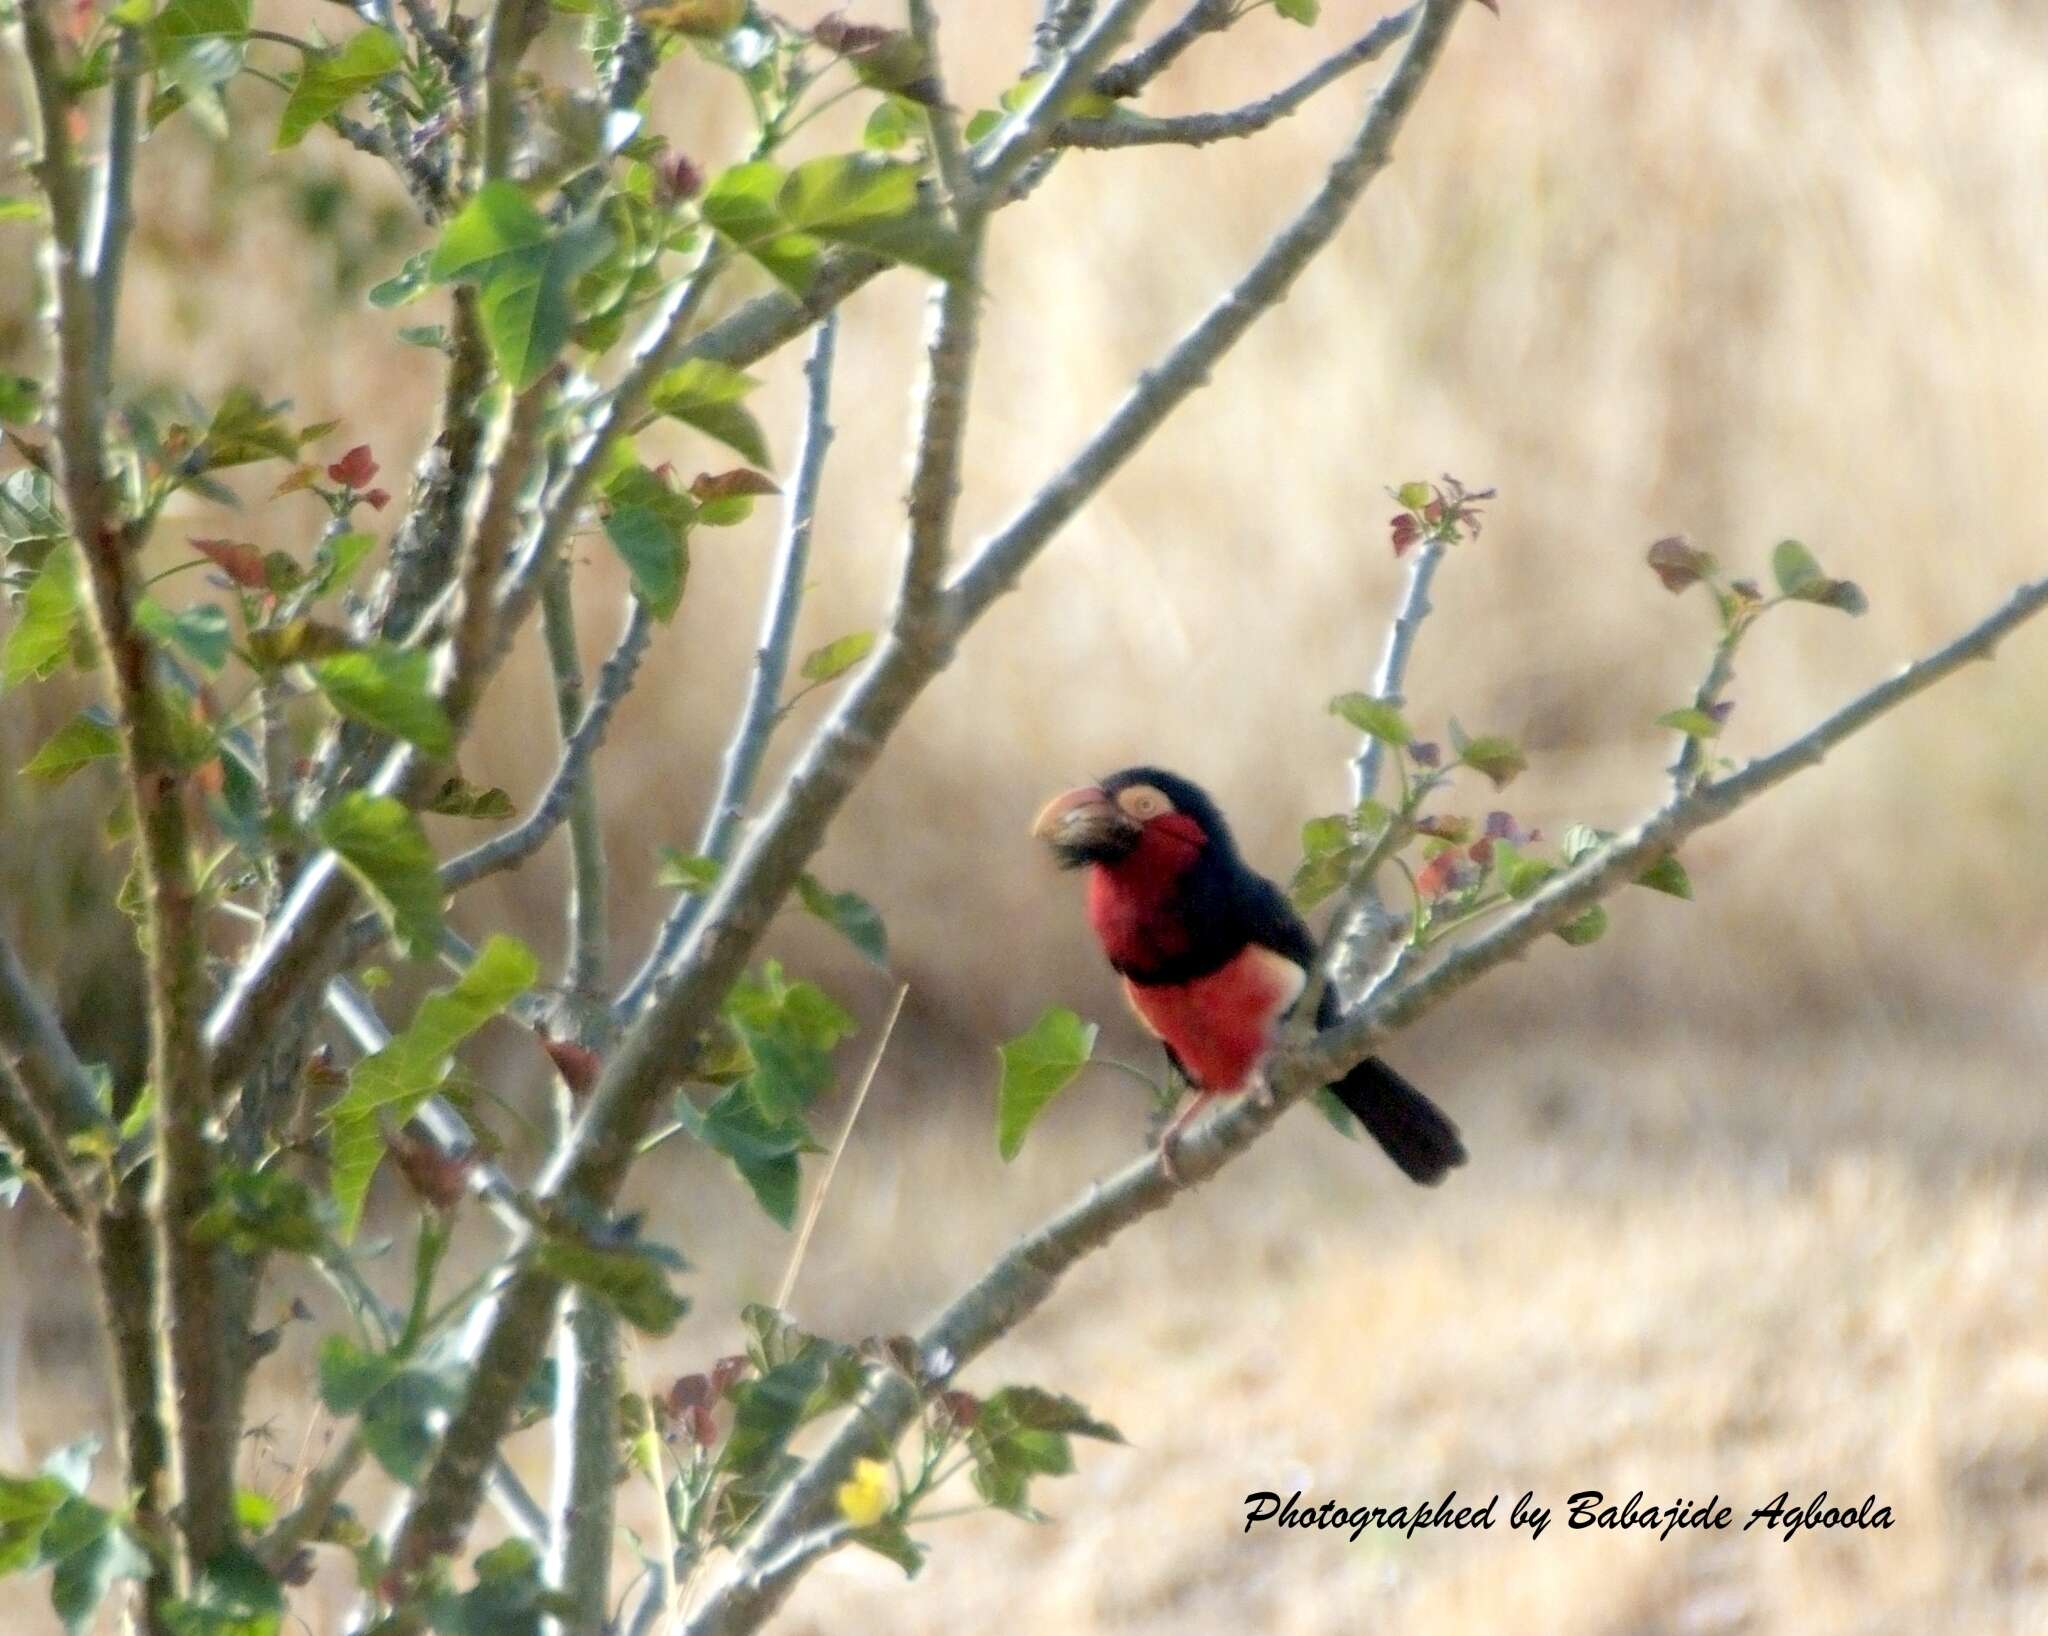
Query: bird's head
[(1140, 814)]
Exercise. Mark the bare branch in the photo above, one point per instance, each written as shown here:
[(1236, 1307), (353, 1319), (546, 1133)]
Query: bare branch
[(55, 1080), (1362, 921), (1011, 145), (756, 725), (940, 442), (200, 1384), (1197, 130), (514, 25), (943, 122), (35, 1145), (584, 969), (1163, 387), (516, 845), (586, 1462), (1129, 75)]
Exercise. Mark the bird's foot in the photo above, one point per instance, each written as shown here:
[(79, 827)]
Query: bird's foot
[(1262, 1090)]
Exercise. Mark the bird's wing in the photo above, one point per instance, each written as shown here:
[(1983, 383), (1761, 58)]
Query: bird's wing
[(1270, 920)]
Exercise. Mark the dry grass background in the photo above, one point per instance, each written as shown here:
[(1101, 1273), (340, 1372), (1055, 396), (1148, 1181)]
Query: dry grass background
[(1760, 1190)]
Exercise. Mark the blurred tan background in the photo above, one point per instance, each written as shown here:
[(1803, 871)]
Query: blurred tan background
[(1759, 1194)]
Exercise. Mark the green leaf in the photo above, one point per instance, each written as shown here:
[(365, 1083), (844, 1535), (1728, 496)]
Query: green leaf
[(458, 798), (742, 204), (89, 1552), (201, 631), (837, 657), (262, 1210), (28, 511), (769, 1408), (1374, 717), (391, 689), (1500, 759), (1321, 875), (41, 638), (1035, 1409), (1520, 877), (20, 207), (1587, 928), (1037, 1065), (523, 270), (632, 1279), (1692, 723), (26, 1506), (789, 1031), (872, 203), (245, 430), (87, 737), (1580, 839), (197, 45), (648, 524), (891, 125), (687, 872), (381, 843), (1305, 13), (510, 1596), (327, 79), (1667, 875), (1795, 568), (706, 394), (1413, 495), (408, 284), (1322, 836), (850, 915), (390, 1086), (235, 1596), (21, 399), (889, 1539), (764, 1151)]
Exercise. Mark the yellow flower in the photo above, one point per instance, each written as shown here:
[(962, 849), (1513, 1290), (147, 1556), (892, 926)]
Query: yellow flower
[(865, 1497)]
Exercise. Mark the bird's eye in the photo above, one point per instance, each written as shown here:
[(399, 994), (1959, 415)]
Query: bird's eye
[(1143, 802)]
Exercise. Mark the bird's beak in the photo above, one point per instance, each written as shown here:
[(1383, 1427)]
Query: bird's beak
[(1085, 826)]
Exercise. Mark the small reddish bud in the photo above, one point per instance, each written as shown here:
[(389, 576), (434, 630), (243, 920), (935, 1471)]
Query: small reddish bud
[(378, 499), (727, 1371), (440, 1178), (963, 1407), (689, 1392), (725, 485), (238, 559), (354, 469), (1426, 753), (678, 178), (578, 1065), (1406, 531)]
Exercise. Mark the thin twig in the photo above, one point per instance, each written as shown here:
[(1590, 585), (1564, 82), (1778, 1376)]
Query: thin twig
[(35, 1146), (584, 968), (56, 1081), (1130, 75), (516, 845), (1197, 130), (1691, 759), (787, 1287), (940, 119), (756, 724)]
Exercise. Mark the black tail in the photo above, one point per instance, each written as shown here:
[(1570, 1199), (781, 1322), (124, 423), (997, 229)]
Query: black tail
[(1414, 1130)]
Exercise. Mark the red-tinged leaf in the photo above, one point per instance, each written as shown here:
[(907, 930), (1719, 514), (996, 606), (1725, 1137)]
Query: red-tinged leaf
[(963, 1408), (354, 469), (1443, 873), (728, 485), (703, 1427), (1444, 826), (728, 1371), (578, 1065), (377, 499), (1501, 826), (299, 477), (1426, 753), (1677, 563), (1406, 531), (690, 1392), (238, 559), (1481, 851), (440, 1178), (678, 178)]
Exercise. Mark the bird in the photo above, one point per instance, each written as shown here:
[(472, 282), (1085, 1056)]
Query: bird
[(1212, 955)]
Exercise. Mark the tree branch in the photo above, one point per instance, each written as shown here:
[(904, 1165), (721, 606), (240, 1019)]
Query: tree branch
[(1130, 75), (756, 724), (1197, 130), (1362, 915), (584, 969), (1024, 1277), (1011, 145), (1162, 388), (198, 1396), (36, 1146), (516, 845), (55, 1080)]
